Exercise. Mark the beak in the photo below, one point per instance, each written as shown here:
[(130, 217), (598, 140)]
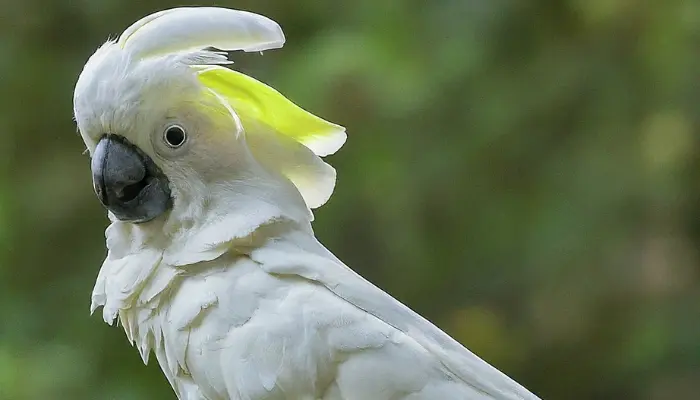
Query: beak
[(128, 182)]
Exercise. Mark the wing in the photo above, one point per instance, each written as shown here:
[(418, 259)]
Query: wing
[(300, 255)]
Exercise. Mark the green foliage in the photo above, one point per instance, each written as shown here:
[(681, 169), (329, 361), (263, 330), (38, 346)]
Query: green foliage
[(524, 174)]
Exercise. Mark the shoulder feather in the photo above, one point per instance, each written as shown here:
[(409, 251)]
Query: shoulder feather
[(297, 255)]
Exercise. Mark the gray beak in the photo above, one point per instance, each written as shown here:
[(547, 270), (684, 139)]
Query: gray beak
[(128, 182)]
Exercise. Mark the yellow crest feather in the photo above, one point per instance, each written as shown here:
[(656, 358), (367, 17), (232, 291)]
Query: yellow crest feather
[(255, 102)]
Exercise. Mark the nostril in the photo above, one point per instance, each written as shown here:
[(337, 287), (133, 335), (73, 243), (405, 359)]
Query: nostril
[(129, 192)]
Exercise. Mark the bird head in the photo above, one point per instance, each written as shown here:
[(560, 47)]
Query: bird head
[(180, 141)]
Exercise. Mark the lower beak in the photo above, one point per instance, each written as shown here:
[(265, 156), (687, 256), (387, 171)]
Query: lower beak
[(128, 182)]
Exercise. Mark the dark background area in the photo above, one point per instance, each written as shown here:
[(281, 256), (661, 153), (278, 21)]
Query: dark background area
[(523, 173)]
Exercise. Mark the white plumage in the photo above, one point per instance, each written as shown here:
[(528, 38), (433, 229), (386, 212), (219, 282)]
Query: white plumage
[(194, 28), (229, 288)]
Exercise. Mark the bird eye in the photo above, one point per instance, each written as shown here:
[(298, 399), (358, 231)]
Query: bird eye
[(175, 136)]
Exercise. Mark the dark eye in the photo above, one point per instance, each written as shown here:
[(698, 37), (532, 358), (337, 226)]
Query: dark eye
[(174, 136)]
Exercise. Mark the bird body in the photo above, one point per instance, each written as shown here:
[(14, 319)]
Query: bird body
[(209, 177)]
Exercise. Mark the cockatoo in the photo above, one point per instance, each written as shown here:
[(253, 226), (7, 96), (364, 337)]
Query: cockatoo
[(209, 177)]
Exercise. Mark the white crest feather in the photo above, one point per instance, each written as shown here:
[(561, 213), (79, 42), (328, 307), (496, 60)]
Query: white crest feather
[(194, 28)]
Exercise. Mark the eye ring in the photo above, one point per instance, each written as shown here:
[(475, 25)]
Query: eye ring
[(174, 136)]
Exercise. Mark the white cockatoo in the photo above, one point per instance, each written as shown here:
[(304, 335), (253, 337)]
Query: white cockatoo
[(209, 177)]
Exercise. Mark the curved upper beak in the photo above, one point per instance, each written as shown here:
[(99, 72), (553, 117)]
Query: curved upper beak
[(127, 181)]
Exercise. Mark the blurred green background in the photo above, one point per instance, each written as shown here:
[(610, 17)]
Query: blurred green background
[(523, 173)]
